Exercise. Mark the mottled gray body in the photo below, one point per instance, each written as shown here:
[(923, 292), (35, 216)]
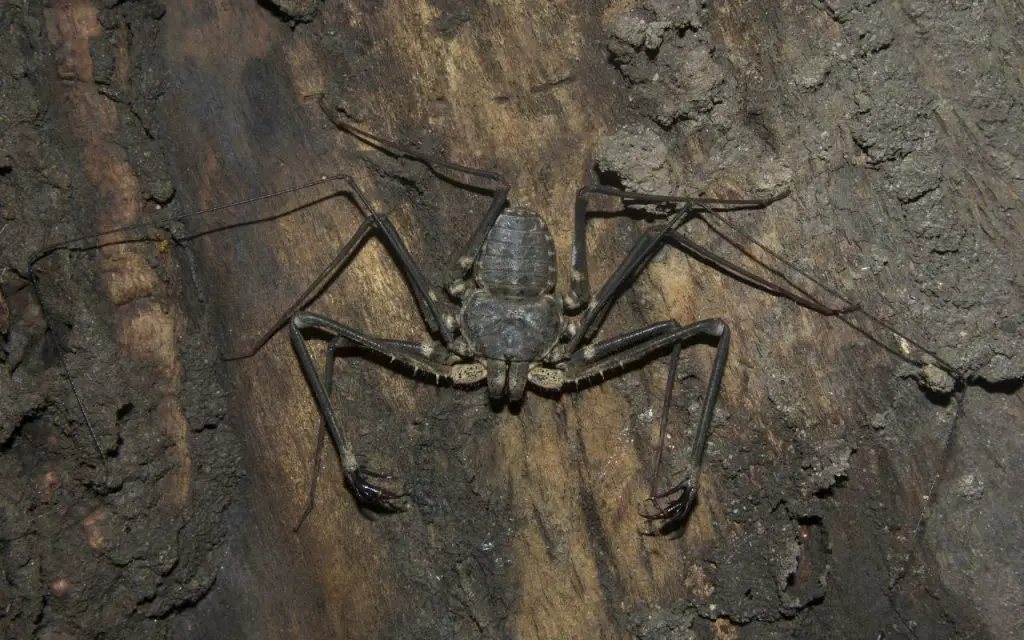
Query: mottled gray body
[(518, 258), (511, 314)]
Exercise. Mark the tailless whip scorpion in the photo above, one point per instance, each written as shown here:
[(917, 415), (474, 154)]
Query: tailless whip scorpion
[(501, 322)]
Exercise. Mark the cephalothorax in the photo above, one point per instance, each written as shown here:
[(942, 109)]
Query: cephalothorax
[(511, 329)]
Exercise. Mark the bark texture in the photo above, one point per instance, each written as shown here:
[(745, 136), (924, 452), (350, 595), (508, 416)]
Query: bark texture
[(841, 495)]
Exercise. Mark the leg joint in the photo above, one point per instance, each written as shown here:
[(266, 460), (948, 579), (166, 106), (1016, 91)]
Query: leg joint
[(718, 327)]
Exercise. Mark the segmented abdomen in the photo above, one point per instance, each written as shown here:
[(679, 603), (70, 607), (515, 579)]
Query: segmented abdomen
[(518, 257)]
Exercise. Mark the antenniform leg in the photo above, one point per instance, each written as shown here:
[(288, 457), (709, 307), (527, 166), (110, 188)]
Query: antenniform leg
[(645, 248), (580, 278), (499, 189)]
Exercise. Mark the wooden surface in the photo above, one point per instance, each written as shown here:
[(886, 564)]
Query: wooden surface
[(523, 524)]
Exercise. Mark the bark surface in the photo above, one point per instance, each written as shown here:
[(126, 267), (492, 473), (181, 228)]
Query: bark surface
[(841, 495)]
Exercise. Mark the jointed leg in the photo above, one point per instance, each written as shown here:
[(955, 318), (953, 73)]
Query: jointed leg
[(747, 277), (629, 348), (426, 298), (321, 435), (644, 250), (321, 438), (639, 256), (579, 294), (408, 354), (500, 192)]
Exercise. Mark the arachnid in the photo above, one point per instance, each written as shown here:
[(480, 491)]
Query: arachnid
[(502, 322), (509, 328)]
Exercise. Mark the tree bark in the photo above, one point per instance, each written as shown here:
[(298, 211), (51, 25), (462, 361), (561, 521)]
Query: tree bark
[(838, 490)]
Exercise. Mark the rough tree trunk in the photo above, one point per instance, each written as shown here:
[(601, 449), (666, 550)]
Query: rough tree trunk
[(838, 499)]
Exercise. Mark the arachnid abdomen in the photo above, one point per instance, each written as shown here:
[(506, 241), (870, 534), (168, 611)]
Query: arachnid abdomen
[(518, 258)]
